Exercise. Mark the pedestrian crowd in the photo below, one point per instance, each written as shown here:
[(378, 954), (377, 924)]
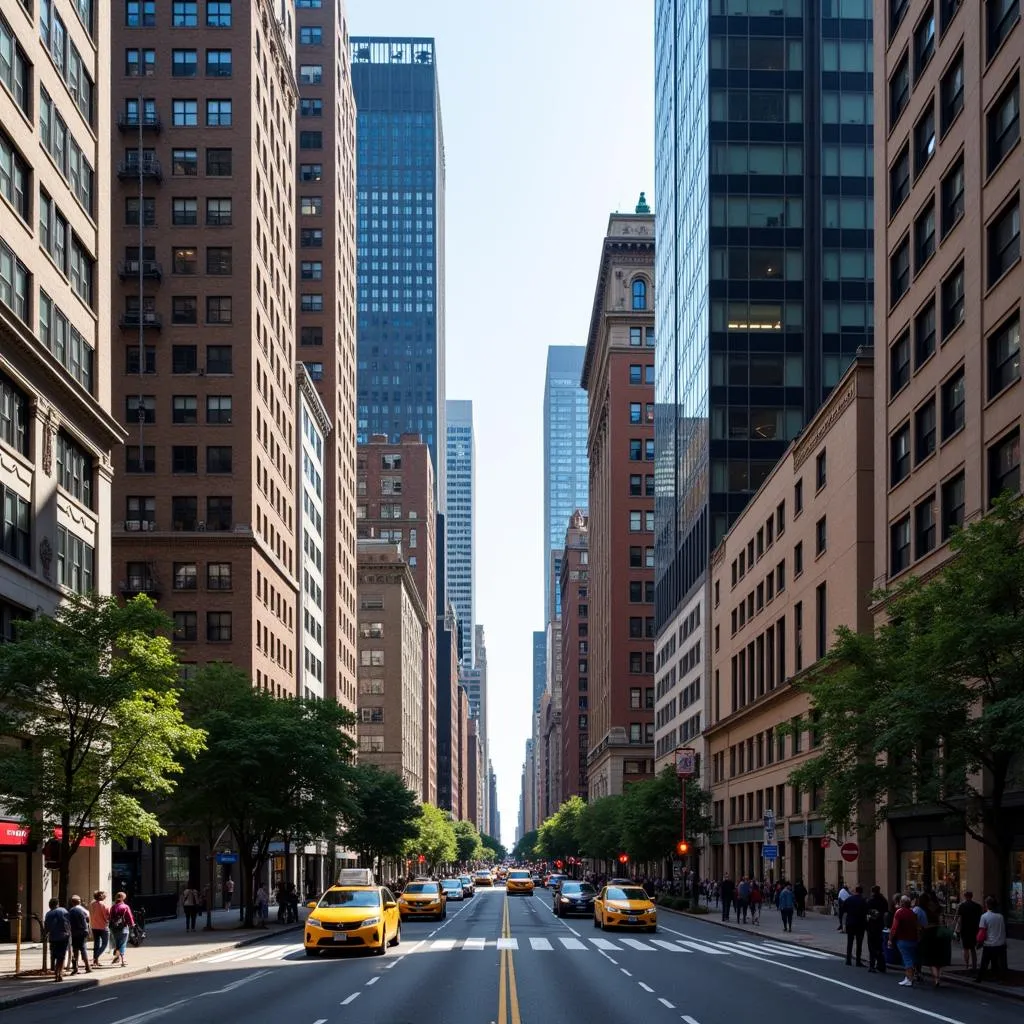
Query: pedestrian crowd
[(69, 929)]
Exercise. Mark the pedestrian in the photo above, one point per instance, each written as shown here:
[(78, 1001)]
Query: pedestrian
[(293, 903), (903, 935), (99, 922), (262, 906), (786, 903), (844, 895), (727, 889), (800, 896), (229, 892), (57, 925), (79, 918), (966, 925), (121, 921), (756, 899), (856, 913), (992, 935), (742, 899), (190, 900), (922, 920), (874, 924), (932, 952)]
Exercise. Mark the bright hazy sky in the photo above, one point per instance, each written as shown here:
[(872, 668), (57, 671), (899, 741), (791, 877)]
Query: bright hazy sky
[(548, 111)]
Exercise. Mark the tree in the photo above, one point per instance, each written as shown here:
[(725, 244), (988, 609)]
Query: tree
[(500, 853), (652, 815), (92, 692), (272, 767), (434, 838), (383, 816), (467, 841), (526, 848), (558, 836), (928, 710), (600, 828)]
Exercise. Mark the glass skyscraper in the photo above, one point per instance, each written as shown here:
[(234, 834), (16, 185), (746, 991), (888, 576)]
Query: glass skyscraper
[(566, 476), (399, 242), (459, 519), (764, 275)]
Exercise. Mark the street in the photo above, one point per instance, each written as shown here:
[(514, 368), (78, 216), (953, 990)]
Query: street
[(508, 960)]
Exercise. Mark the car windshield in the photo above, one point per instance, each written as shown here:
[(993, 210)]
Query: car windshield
[(422, 887), (578, 888), (522, 875), (465, 878), (617, 893), (452, 883), (350, 898), (483, 874)]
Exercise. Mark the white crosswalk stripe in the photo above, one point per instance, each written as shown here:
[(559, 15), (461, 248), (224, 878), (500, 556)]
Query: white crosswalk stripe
[(605, 944), (475, 943), (702, 947), (504, 943), (536, 943), (637, 944), (443, 945), (572, 943), (670, 946)]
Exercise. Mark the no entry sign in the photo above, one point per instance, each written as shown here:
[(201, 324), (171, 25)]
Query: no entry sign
[(849, 852)]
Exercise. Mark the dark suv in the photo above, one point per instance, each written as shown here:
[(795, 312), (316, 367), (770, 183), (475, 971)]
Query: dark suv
[(572, 897)]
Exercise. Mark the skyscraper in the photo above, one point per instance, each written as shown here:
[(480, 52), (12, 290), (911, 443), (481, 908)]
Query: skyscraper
[(763, 164), (540, 665), (565, 456), (460, 520), (400, 243)]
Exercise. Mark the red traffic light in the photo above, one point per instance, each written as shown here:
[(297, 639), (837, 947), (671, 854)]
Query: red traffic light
[(623, 858), (421, 858), (558, 863), (682, 847)]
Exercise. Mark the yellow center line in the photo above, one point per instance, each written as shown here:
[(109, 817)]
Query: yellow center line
[(508, 998)]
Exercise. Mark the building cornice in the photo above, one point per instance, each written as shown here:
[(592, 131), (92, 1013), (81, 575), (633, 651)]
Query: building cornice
[(316, 404)]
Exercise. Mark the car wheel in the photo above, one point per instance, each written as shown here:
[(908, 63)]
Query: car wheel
[(397, 940), (597, 924), (652, 929), (311, 952)]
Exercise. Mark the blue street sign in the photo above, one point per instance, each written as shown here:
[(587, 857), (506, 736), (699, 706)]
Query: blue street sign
[(770, 852), (227, 858)]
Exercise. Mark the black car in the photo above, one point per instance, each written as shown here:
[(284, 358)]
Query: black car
[(572, 897)]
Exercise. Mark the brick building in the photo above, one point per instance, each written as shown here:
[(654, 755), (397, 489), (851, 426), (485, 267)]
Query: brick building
[(575, 583)]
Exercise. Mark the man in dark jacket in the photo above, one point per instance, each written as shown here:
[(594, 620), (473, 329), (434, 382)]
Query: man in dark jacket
[(877, 906), (726, 890), (800, 896), (855, 910)]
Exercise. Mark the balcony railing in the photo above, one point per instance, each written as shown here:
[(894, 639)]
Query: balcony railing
[(132, 319), (151, 169), (134, 585), (151, 270), (129, 121)]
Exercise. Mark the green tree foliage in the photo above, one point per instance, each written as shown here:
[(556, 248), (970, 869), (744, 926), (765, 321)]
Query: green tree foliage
[(92, 691), (467, 841), (271, 767), (929, 709), (434, 838), (500, 853), (526, 848), (600, 828), (383, 815), (651, 819), (558, 836)]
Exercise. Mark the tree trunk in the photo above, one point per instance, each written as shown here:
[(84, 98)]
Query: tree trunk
[(64, 872), (211, 873), (247, 882)]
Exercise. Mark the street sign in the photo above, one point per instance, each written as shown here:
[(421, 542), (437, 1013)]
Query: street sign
[(686, 762), (227, 858), (770, 851), (824, 842), (849, 852), (769, 827)]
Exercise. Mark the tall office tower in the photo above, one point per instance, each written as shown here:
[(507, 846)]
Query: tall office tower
[(575, 623), (621, 523), (392, 627), (400, 244), (480, 664), (460, 519), (395, 491), (56, 428), (540, 665), (947, 382), (447, 672), (763, 165), (565, 456), (203, 236), (529, 796), (326, 306), (475, 776), (493, 817)]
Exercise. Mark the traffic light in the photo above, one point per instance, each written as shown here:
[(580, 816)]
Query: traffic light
[(682, 847), (558, 864), (623, 858), (51, 853)]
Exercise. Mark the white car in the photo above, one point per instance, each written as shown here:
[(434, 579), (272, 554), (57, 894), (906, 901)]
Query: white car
[(453, 888)]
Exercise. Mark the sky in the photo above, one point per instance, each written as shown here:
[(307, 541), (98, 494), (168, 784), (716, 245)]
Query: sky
[(548, 115)]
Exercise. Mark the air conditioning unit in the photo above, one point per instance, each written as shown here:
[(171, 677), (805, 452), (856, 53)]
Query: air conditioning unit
[(132, 524)]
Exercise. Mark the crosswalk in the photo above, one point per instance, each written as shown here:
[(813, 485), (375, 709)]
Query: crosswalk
[(687, 946)]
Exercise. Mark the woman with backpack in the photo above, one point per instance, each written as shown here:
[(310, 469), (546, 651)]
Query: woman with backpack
[(121, 921)]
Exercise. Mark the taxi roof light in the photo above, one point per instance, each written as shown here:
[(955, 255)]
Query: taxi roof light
[(355, 876)]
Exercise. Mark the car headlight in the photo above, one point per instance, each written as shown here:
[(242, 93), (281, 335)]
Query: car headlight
[(370, 921), (314, 921), (565, 899)]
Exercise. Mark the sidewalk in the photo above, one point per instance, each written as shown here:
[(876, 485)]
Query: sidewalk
[(166, 943), (820, 931)]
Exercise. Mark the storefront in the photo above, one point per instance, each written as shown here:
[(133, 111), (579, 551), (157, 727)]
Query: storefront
[(15, 865), (1015, 908)]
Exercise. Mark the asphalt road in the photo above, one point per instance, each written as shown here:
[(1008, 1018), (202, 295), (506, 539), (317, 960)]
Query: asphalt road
[(508, 960)]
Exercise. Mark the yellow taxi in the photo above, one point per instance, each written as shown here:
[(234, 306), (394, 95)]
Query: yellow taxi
[(423, 898), (482, 878), (625, 906), (355, 913), (519, 882)]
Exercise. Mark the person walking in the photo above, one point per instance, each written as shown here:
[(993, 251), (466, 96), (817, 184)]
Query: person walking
[(57, 925), (727, 890), (190, 901), (79, 918), (903, 935), (786, 903), (877, 907), (742, 899), (756, 899), (121, 921), (99, 918), (855, 908), (262, 906), (844, 895), (800, 896), (229, 893), (932, 954), (992, 934), (966, 925)]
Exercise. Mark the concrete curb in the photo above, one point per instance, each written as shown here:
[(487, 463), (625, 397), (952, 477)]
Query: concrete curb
[(951, 979), (128, 973)]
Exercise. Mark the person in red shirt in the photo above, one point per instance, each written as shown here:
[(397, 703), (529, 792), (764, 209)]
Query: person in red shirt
[(903, 934)]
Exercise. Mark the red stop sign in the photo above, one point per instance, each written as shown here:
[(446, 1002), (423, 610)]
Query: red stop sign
[(849, 852)]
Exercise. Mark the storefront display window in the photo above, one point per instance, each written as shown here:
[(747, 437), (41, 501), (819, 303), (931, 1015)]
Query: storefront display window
[(177, 865), (912, 871), (949, 874), (1016, 901)]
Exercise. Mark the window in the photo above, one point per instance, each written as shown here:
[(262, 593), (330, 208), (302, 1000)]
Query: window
[(218, 212), (184, 458), (1004, 124), (131, 212), (952, 197), (924, 42), (185, 14), (218, 163), (185, 113), (311, 35), (218, 359), (649, 450), (184, 163), (140, 409), (635, 521), (218, 63), (184, 259), (218, 576), (951, 92), (798, 497), (310, 107), (954, 500), (897, 12), (185, 577), (899, 545), (636, 449), (924, 527), (311, 74), (924, 236), (74, 560), (184, 359), (82, 273), (311, 172), (636, 485), (924, 139), (899, 271), (311, 302), (218, 309), (15, 178), (184, 64), (635, 412), (311, 238), (639, 293), (899, 180), (635, 374), (953, 405), (1001, 16), (1004, 466), (821, 619), (311, 336), (924, 334), (218, 113), (218, 13), (14, 283), (74, 469), (218, 260), (140, 362), (924, 431), (798, 559), (820, 536), (311, 206), (1004, 241), (1004, 356), (218, 626), (899, 455), (183, 409), (311, 140), (219, 513), (311, 270), (184, 309), (184, 212), (140, 13), (218, 408), (899, 364), (953, 301), (821, 469), (899, 91)]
